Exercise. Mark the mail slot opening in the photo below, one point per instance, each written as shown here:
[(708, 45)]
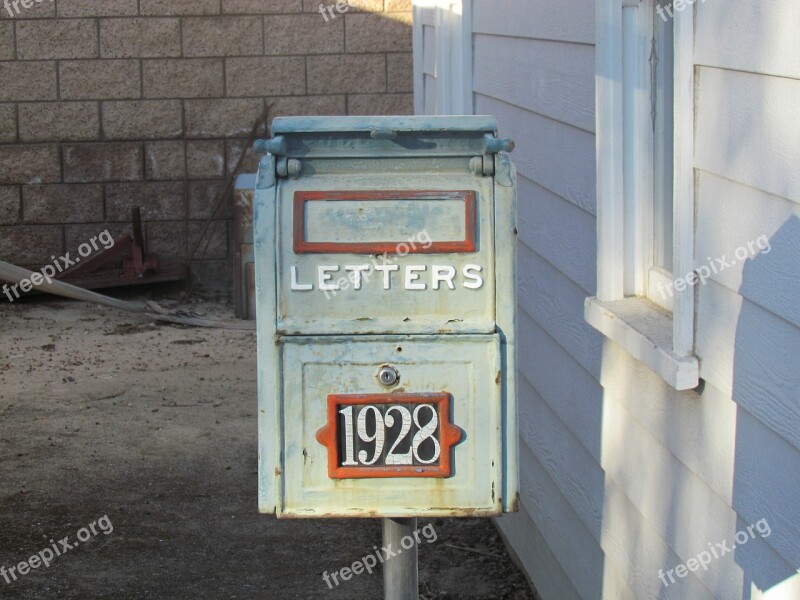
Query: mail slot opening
[(374, 222)]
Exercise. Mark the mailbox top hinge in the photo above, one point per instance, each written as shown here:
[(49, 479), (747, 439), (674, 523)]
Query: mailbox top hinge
[(487, 164), (493, 144), (288, 167), (482, 166), (276, 146)]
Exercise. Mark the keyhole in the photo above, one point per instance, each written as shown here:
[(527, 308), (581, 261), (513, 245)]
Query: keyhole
[(388, 376)]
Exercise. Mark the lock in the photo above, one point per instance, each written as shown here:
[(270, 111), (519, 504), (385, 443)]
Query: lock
[(388, 376)]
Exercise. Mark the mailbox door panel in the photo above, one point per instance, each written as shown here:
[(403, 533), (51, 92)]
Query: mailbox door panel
[(395, 457), (386, 253)]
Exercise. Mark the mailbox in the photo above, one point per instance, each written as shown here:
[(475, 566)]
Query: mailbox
[(385, 300)]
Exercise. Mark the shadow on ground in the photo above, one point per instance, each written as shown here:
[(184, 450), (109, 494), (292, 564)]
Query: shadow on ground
[(103, 413)]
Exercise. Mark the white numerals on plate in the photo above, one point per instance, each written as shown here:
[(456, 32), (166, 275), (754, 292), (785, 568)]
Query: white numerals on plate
[(358, 427), (426, 432), (348, 432), (405, 427), (377, 437)]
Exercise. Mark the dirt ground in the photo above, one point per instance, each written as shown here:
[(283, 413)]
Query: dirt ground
[(104, 414)]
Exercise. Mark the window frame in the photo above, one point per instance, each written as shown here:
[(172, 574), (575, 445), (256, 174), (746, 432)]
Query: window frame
[(663, 341), (452, 21)]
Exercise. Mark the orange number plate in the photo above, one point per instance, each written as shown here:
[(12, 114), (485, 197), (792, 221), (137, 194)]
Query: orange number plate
[(389, 435)]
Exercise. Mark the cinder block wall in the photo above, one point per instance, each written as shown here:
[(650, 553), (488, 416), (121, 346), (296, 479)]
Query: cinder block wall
[(107, 104)]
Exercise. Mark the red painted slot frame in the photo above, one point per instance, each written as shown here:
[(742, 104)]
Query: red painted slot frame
[(303, 246), (449, 435)]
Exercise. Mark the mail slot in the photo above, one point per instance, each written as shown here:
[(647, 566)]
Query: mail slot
[(385, 296)]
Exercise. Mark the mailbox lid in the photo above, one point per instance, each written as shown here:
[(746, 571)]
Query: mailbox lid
[(401, 124), (467, 369), (428, 237), (403, 136)]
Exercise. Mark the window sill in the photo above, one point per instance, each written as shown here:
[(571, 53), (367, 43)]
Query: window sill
[(645, 331)]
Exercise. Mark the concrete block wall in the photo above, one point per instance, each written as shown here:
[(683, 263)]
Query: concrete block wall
[(107, 104)]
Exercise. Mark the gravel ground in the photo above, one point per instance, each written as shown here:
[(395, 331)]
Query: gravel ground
[(108, 420)]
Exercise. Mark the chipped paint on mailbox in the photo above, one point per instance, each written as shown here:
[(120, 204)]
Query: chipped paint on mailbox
[(385, 290)]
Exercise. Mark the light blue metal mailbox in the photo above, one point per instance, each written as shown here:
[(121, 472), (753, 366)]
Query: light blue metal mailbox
[(385, 286)]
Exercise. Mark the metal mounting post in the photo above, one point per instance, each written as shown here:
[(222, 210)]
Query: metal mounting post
[(400, 575)]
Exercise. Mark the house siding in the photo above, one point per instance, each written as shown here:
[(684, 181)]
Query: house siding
[(748, 329), (621, 475)]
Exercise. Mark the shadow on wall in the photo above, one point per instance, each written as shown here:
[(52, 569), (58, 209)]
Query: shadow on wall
[(153, 108), (766, 389)]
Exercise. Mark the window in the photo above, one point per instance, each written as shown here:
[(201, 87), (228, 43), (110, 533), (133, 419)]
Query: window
[(662, 67), (645, 187), (647, 149)]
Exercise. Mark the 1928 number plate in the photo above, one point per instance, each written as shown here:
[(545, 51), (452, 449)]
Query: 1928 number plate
[(389, 435)]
